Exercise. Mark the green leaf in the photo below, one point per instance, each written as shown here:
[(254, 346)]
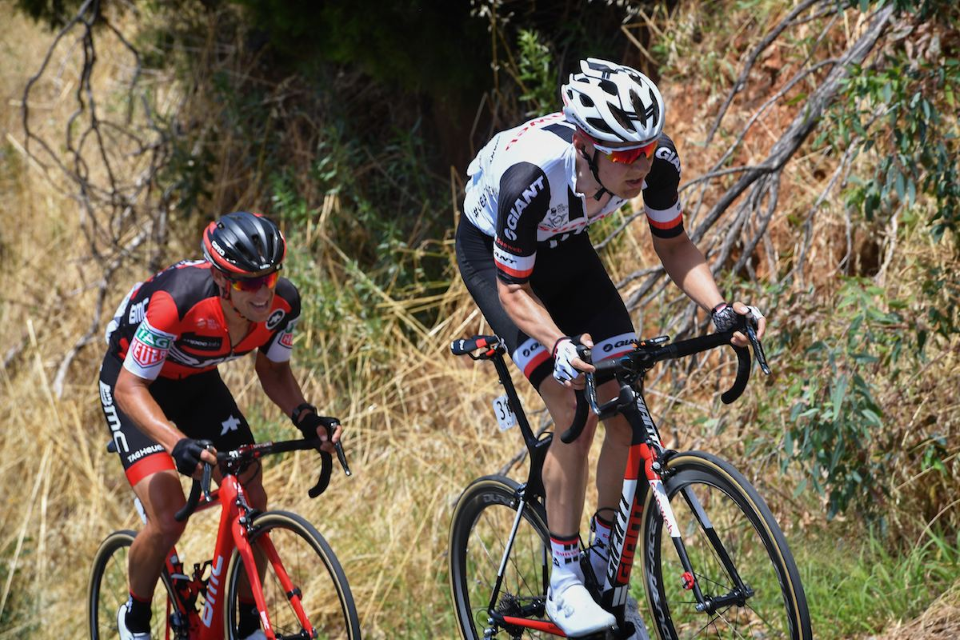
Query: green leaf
[(838, 396)]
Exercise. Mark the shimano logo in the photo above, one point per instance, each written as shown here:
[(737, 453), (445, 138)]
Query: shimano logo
[(522, 203)]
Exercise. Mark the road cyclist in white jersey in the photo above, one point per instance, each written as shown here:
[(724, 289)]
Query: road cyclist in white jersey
[(526, 258)]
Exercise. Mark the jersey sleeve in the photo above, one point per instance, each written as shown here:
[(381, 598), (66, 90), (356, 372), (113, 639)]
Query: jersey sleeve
[(523, 202), (661, 198), (279, 347), (154, 337)]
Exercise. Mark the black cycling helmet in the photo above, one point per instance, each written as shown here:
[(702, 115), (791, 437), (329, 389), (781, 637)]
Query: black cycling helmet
[(244, 244)]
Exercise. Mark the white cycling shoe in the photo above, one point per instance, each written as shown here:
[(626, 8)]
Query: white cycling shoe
[(126, 634), (575, 612)]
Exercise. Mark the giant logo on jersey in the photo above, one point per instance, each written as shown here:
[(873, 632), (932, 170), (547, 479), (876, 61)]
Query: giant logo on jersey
[(522, 203), (668, 154)]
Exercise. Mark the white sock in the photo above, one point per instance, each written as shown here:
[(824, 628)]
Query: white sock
[(598, 547), (566, 562)]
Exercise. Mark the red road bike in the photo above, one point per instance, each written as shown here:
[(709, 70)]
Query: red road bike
[(276, 557)]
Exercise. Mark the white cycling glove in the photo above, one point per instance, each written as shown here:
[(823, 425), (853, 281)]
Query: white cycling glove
[(564, 352)]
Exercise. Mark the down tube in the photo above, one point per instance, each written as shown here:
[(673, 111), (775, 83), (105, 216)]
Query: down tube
[(625, 535)]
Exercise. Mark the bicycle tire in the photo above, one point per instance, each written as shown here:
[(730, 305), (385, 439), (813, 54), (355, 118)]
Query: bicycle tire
[(481, 526), (777, 607), (325, 595), (108, 589)]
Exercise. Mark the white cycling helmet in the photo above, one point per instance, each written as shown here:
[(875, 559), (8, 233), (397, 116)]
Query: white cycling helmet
[(613, 103)]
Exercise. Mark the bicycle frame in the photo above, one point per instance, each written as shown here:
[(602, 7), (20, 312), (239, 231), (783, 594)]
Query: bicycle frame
[(646, 460), (233, 532)]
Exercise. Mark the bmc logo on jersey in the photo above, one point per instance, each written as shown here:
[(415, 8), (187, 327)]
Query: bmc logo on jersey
[(138, 311), (522, 203)]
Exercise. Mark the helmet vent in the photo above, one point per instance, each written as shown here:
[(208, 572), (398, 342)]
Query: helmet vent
[(599, 124), (609, 87)]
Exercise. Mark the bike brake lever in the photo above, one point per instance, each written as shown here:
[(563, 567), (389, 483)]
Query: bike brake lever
[(342, 457), (757, 348)]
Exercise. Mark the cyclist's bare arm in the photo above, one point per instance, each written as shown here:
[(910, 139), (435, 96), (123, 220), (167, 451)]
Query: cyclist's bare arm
[(528, 313), (282, 388), (687, 267), (133, 396)]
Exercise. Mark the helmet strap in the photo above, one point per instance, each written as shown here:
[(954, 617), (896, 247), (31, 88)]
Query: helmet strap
[(594, 169)]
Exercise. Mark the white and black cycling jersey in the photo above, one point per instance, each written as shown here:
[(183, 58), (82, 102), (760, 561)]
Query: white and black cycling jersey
[(522, 193)]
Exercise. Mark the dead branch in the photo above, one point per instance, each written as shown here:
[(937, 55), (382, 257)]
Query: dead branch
[(763, 181), (109, 167)]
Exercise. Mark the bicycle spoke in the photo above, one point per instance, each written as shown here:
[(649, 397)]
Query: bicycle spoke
[(760, 604), (290, 551), (481, 534)]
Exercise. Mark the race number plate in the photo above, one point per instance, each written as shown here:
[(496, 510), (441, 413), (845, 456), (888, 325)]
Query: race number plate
[(505, 415)]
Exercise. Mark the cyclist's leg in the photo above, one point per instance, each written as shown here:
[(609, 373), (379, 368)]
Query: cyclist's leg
[(154, 479), (565, 468)]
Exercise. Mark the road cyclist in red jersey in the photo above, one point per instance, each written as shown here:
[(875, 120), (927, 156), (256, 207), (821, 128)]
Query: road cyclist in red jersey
[(161, 392)]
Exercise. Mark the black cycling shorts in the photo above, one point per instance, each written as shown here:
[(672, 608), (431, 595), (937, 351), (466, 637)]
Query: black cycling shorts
[(200, 405), (574, 287)]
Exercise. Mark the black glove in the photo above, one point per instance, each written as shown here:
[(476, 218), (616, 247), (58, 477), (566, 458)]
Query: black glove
[(186, 453), (310, 421), (724, 317)]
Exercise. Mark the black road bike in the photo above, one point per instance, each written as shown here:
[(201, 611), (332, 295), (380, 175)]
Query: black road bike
[(715, 563)]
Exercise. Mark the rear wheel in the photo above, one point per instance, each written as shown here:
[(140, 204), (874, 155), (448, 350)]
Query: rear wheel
[(482, 523), (727, 530), (314, 572), (108, 591)]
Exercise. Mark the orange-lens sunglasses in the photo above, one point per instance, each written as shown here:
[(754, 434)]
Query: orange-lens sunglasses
[(252, 285)]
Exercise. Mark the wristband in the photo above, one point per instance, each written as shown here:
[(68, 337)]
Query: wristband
[(297, 413)]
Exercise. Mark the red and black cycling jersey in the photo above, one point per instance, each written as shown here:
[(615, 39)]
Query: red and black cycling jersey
[(522, 192), (172, 326)]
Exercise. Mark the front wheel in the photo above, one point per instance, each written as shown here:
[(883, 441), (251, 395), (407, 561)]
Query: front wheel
[(485, 516), (739, 556), (303, 582), (108, 591)]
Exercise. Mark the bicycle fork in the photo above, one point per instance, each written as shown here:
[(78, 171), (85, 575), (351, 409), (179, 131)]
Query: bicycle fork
[(646, 454), (242, 530)]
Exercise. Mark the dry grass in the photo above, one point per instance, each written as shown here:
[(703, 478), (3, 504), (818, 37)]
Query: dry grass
[(419, 423)]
